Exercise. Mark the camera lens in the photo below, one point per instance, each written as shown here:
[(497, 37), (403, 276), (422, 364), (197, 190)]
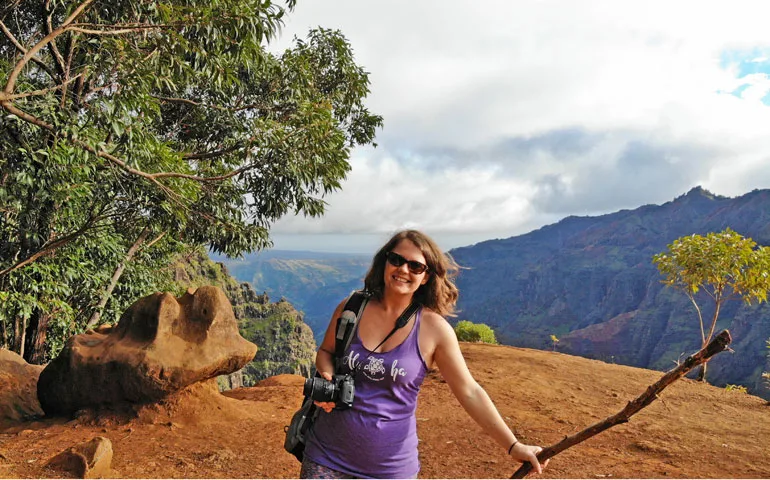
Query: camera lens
[(319, 389)]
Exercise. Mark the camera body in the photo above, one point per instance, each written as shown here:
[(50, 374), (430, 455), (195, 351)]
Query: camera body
[(341, 390)]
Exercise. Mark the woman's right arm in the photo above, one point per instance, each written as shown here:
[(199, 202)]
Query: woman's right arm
[(324, 357)]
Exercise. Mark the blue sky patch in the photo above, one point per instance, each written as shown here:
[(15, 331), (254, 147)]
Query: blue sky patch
[(754, 61)]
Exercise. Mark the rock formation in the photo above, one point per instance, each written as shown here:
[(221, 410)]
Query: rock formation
[(91, 459), (18, 395), (160, 345), (285, 342)]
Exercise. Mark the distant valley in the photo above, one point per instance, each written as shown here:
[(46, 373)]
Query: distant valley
[(311, 281), (588, 280)]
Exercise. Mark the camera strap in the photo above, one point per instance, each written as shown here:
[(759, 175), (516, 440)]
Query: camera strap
[(401, 321)]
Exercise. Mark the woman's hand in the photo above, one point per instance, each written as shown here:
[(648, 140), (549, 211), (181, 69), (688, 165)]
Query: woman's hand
[(528, 453), (326, 406)]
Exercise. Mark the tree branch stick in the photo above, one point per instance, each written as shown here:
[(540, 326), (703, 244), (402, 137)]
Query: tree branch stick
[(23, 50), (51, 246), (52, 45), (115, 277), (37, 93), (717, 345), (9, 86)]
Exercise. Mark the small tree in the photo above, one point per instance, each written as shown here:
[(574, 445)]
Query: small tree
[(722, 265), (554, 341), (472, 332), (766, 375)]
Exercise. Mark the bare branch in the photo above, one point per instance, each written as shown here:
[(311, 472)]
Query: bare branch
[(106, 32), (154, 241), (100, 153), (77, 12), (35, 93), (23, 50), (208, 105), (719, 344), (116, 276), (51, 246), (52, 45), (700, 317), (42, 43), (217, 153)]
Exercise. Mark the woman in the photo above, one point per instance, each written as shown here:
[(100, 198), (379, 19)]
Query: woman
[(377, 437)]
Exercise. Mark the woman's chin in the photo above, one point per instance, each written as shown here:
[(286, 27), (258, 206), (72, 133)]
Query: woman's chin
[(402, 288)]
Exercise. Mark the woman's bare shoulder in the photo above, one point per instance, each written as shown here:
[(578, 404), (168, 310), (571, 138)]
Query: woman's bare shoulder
[(435, 323)]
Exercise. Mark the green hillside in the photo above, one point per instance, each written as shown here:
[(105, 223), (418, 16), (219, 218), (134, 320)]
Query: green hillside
[(313, 282), (285, 343)]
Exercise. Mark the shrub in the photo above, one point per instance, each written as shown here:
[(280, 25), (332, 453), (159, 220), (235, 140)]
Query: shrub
[(472, 332), (735, 388)]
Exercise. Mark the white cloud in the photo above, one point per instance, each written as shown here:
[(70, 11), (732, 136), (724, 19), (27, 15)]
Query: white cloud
[(382, 195), (493, 86)]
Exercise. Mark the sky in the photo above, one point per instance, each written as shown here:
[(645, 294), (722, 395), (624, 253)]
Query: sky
[(501, 117)]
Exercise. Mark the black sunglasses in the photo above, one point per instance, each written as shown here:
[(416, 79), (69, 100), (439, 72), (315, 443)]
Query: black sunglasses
[(414, 266)]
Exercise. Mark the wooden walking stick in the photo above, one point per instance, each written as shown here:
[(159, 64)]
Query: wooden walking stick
[(718, 344)]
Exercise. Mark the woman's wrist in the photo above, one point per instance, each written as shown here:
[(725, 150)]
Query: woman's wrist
[(510, 449)]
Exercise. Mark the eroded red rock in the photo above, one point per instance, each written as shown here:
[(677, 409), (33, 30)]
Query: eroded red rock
[(160, 345), (18, 394), (91, 459)]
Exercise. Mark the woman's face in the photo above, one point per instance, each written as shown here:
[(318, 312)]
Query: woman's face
[(403, 279)]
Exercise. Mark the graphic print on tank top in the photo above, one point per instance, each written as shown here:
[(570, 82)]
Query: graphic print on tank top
[(374, 369), (373, 365)]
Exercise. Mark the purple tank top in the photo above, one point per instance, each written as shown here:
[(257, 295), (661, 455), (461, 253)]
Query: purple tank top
[(377, 437)]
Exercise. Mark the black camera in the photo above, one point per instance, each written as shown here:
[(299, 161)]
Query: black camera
[(340, 390)]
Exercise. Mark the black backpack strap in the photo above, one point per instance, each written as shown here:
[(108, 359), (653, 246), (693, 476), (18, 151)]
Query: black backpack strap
[(401, 322), (346, 324)]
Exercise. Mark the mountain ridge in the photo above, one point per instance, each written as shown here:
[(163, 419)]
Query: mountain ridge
[(584, 271), (581, 271)]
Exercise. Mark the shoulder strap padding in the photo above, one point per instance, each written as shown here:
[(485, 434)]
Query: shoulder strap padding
[(347, 322)]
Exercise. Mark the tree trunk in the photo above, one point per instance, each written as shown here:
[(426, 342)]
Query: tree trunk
[(115, 277), (34, 348), (4, 323), (702, 373), (20, 326)]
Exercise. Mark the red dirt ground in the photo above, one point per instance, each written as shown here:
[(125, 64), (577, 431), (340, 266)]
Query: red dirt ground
[(693, 431)]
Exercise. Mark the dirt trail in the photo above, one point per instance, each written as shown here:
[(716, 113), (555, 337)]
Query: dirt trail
[(694, 431)]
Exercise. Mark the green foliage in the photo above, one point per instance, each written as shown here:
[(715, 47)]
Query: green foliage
[(722, 266), (735, 388), (474, 332), (166, 119)]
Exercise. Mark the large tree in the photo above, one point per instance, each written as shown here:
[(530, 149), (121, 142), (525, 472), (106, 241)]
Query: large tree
[(134, 128), (713, 269)]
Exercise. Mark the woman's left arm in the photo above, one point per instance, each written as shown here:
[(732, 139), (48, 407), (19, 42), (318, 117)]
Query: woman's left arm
[(473, 397)]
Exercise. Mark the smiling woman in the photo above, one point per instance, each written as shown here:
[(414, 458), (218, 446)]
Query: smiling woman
[(377, 436)]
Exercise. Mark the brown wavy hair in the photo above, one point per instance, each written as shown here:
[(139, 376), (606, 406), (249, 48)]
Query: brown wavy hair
[(439, 293)]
